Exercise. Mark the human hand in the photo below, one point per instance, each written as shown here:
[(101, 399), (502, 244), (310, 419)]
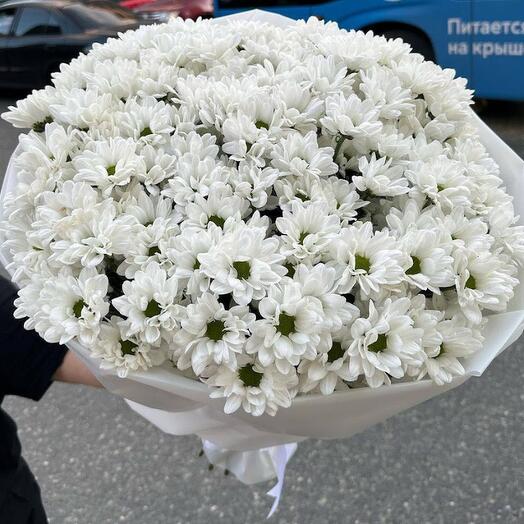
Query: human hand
[(74, 371)]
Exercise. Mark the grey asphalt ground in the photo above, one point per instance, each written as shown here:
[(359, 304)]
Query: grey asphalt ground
[(456, 459)]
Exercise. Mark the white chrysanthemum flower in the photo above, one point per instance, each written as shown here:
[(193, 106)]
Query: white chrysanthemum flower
[(152, 238), (380, 177), (289, 328), (300, 155), (410, 214), (350, 117), (341, 198), (211, 334), (385, 89), (150, 243), (244, 263), (327, 75), (441, 180), (33, 111), (320, 282), (471, 233), (253, 183), (84, 108), (384, 343), (86, 236), (338, 196), (457, 341), (508, 235), (54, 216), (147, 120), (300, 109), (330, 368), (184, 250), (483, 281), (365, 258), (257, 389), (69, 307), (430, 263), (106, 164), (307, 231), (159, 166), (219, 206), (241, 133), (118, 77), (150, 304), (48, 152), (125, 354), (196, 168)]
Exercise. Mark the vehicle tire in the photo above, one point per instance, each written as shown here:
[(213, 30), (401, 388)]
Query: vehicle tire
[(419, 43)]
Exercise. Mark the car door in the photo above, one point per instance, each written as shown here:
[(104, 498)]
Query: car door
[(26, 46), (7, 16), (61, 42), (497, 31)]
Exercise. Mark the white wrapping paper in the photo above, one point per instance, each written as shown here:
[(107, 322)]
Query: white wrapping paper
[(180, 406)]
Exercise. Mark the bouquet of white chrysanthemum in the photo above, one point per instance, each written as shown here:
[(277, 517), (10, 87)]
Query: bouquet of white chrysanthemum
[(274, 212)]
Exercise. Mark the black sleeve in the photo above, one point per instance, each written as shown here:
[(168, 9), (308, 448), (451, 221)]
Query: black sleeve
[(27, 363)]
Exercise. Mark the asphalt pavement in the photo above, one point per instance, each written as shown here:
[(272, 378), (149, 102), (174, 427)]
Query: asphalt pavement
[(456, 459)]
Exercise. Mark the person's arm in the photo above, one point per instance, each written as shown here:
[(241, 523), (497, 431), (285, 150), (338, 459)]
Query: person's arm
[(74, 371), (28, 364)]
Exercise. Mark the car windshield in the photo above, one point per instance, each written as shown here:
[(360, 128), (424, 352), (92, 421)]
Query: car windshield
[(95, 15)]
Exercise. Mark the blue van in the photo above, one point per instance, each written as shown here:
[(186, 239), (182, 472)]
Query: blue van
[(482, 39)]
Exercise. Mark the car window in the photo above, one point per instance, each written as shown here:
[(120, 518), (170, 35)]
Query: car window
[(6, 20), (55, 26), (32, 21)]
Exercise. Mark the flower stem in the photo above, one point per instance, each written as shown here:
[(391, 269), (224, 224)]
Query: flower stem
[(340, 140)]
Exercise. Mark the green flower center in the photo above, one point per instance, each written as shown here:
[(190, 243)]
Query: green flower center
[(219, 221), (146, 132), (111, 170), (290, 269), (471, 283), (261, 124), (415, 268), (302, 237), (39, 127), (127, 347), (153, 309), (362, 263), (249, 376), (302, 196), (78, 307), (215, 330), (286, 324), (380, 344), (335, 352), (440, 187), (153, 250), (196, 265), (243, 269), (441, 351)]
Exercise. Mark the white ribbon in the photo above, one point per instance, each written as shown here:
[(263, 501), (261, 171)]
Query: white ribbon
[(282, 456), (254, 466)]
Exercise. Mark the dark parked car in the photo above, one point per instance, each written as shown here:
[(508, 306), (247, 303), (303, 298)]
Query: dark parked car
[(37, 36)]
